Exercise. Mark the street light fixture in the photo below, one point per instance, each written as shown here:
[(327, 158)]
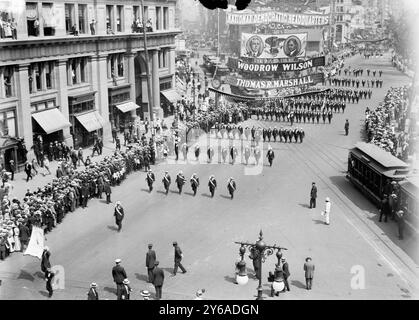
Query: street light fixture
[(261, 252)]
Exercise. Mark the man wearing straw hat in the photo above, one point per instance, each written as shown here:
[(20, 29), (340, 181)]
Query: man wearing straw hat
[(126, 290), (145, 294), (118, 274), (92, 294)]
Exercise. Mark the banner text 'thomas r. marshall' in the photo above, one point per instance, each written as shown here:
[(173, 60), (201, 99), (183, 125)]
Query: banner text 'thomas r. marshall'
[(311, 79)]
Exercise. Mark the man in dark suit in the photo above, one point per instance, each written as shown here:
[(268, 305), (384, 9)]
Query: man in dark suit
[(309, 272), (119, 215), (231, 186), (92, 294), (212, 184), (118, 274), (313, 195), (45, 263), (28, 171), (166, 181), (49, 275), (158, 279), (24, 235), (178, 259), (270, 155), (286, 273), (150, 179), (180, 181), (107, 190), (150, 259)]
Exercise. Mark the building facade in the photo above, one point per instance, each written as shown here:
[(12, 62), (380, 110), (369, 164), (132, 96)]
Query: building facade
[(74, 69)]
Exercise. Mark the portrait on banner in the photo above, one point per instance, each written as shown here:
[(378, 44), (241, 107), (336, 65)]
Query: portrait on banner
[(268, 46)]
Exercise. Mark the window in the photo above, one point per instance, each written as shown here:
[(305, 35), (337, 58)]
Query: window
[(41, 76), (77, 70), (158, 18), (109, 17), (8, 123), (8, 85), (137, 13), (146, 13), (165, 18), (120, 63), (69, 17), (42, 105), (49, 19), (37, 73), (49, 69), (119, 11), (115, 65), (82, 8), (32, 19)]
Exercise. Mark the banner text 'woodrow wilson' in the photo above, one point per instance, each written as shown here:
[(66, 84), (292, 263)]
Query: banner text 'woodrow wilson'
[(247, 65)]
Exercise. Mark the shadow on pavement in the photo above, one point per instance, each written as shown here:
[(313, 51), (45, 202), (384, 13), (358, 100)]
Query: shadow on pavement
[(113, 228), (318, 221), (206, 195), (44, 293), (26, 276), (110, 290), (189, 194), (225, 197), (304, 205), (39, 274), (173, 191), (230, 279), (298, 284), (162, 192), (141, 277), (145, 190)]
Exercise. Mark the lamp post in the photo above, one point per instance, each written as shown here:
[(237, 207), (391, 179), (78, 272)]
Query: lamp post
[(261, 251)]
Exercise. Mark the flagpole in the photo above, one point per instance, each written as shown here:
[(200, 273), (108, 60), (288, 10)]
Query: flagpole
[(150, 102)]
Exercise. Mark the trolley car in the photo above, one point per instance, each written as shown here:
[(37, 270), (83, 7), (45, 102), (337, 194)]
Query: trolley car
[(372, 170)]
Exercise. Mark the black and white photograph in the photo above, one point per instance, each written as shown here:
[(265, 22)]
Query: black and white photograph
[(236, 150)]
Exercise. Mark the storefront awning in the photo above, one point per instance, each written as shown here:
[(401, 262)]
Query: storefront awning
[(51, 120), (128, 106), (91, 121), (171, 95)]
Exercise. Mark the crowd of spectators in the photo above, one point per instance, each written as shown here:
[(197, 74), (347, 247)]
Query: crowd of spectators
[(385, 124), (47, 206)]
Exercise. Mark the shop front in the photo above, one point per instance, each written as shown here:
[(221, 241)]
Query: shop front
[(168, 103), (49, 124), (92, 127), (86, 123), (122, 110)]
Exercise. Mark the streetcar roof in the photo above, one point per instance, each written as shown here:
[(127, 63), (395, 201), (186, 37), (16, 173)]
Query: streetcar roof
[(411, 185), (384, 158)]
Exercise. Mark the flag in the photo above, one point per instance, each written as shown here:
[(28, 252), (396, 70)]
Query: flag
[(36, 243)]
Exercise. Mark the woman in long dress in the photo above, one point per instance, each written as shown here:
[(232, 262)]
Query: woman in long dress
[(326, 212), (18, 245), (11, 241)]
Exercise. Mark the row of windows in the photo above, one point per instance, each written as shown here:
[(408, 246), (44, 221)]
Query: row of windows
[(42, 75), (77, 21)]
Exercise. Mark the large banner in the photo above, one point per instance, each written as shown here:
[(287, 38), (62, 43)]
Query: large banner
[(248, 65), (311, 79), (273, 46), (36, 243), (298, 19)]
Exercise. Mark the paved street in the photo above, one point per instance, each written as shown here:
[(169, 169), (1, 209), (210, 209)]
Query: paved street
[(276, 201)]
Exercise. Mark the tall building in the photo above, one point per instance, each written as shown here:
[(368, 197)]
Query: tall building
[(77, 68)]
